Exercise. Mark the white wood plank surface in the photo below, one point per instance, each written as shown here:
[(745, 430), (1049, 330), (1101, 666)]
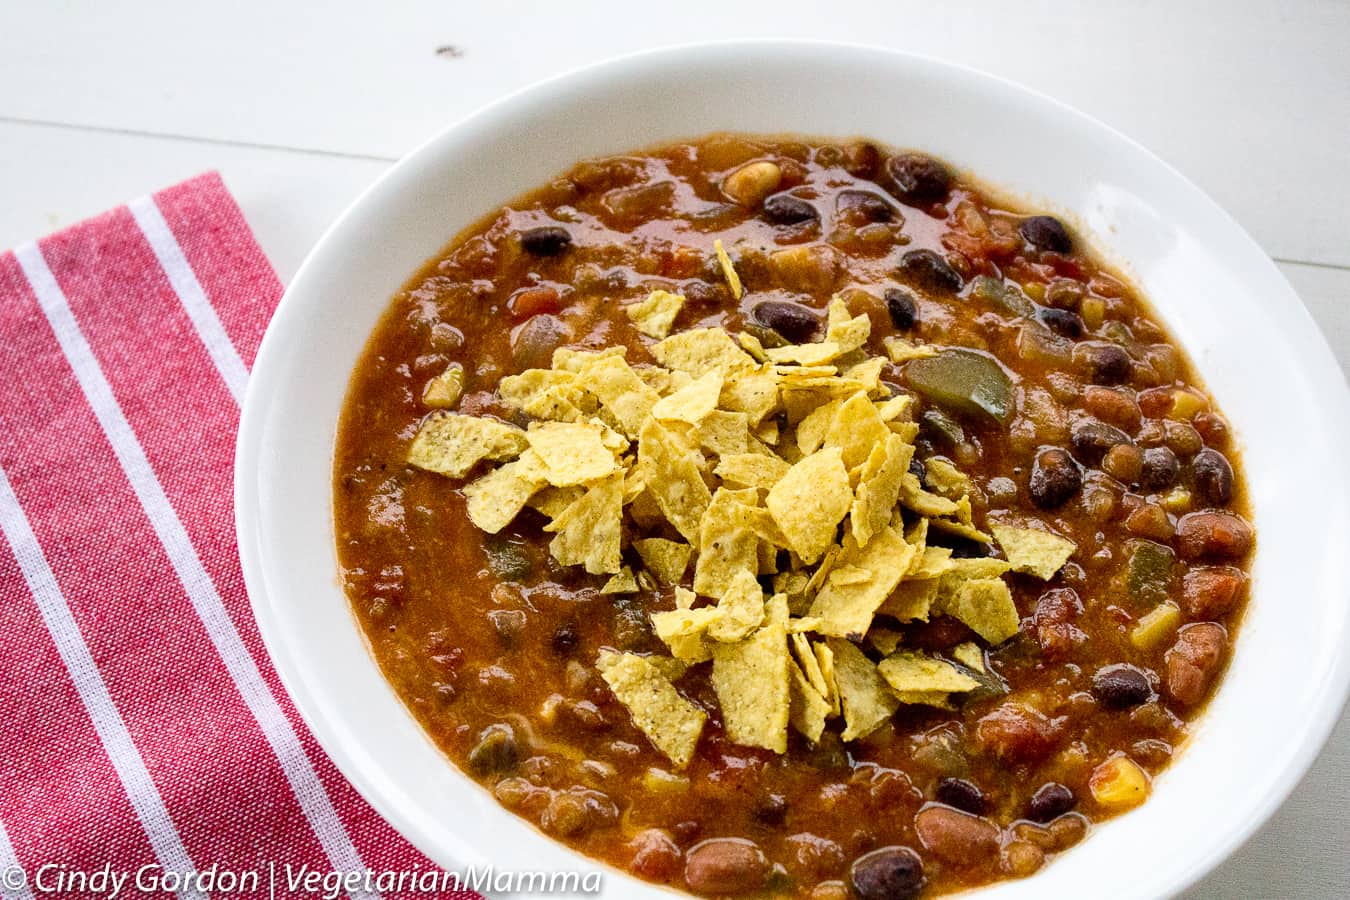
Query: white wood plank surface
[(301, 107)]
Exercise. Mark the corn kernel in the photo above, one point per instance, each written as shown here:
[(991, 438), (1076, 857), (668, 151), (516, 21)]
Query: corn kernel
[(1155, 626), (442, 392), (659, 781), (1093, 311), (1119, 784), (1185, 405), (1035, 290), (1178, 501)]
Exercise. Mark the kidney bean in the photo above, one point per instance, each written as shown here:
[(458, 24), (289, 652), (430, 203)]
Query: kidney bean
[(1092, 440), (869, 206), (903, 308), (930, 270), (1194, 660), (917, 179), (960, 794), (1046, 233), (1121, 686), (1106, 363), (1050, 801), (1160, 468), (955, 837), (1054, 478), (888, 873), (1062, 322), (1213, 534), (785, 209), (792, 320), (1209, 592), (1017, 733), (1123, 462), (545, 240), (1213, 476), (656, 856), (725, 866), (1053, 622), (1113, 405)]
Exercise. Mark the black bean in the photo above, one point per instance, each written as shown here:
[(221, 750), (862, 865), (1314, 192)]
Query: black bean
[(890, 873), (1107, 363), (792, 320), (1121, 686), (1063, 322), (1050, 801), (903, 308), (1054, 478), (1092, 440), (771, 810), (496, 750), (1047, 233), (785, 209), (1160, 468), (872, 206), (565, 639), (918, 179), (1213, 476), (929, 270), (917, 468), (546, 240), (961, 794)]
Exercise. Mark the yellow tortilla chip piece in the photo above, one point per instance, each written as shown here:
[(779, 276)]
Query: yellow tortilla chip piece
[(868, 374), (669, 721), (879, 487), (685, 630), (551, 501), (969, 655), (665, 559), (1034, 552), (547, 394), (693, 402), (933, 562), (962, 529), (911, 672), (654, 315), (846, 605), (986, 605), (566, 359), (752, 683), (751, 470), (443, 391), (752, 345), (620, 390), (740, 610), (811, 430), (901, 350), (940, 699), (912, 600), (728, 270), (727, 544), (914, 497), (450, 444), (848, 332), (703, 350), (623, 583), (807, 709), (588, 532), (945, 479), (884, 639), (754, 393), (825, 662), (572, 452), (498, 497), (867, 701), (809, 502), (805, 354), (674, 480), (724, 433), (894, 408)]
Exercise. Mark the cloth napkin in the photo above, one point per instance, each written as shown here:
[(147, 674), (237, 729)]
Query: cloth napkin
[(142, 727)]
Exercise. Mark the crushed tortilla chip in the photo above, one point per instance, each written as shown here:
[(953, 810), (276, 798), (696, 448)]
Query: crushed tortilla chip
[(809, 502), (588, 532), (620, 390), (986, 605), (969, 655), (693, 402), (808, 709), (884, 639), (685, 630), (702, 350), (727, 544), (551, 501), (752, 682), (856, 429), (573, 453), (751, 470), (912, 600), (498, 497), (848, 332), (1034, 552), (867, 701), (945, 479), (669, 721), (879, 487), (665, 559), (443, 390), (724, 433), (674, 480), (740, 611), (901, 350), (914, 497), (655, 315), (908, 671), (728, 270), (451, 444), (846, 605), (623, 583)]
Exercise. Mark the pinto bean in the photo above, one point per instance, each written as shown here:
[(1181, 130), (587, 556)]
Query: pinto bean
[(869, 206), (725, 866), (496, 750), (752, 182), (1113, 405), (956, 837), (888, 873), (1052, 622), (1017, 733), (1213, 534), (1194, 660), (1208, 592), (656, 856), (1106, 363)]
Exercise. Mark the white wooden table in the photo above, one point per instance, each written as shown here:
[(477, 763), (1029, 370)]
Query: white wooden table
[(301, 107)]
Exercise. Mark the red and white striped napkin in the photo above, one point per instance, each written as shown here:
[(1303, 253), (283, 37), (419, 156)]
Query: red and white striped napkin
[(141, 723)]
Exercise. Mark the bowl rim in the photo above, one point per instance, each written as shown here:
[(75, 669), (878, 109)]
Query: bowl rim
[(1331, 700)]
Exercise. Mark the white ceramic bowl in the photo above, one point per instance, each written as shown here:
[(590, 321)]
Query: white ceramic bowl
[(1255, 345)]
